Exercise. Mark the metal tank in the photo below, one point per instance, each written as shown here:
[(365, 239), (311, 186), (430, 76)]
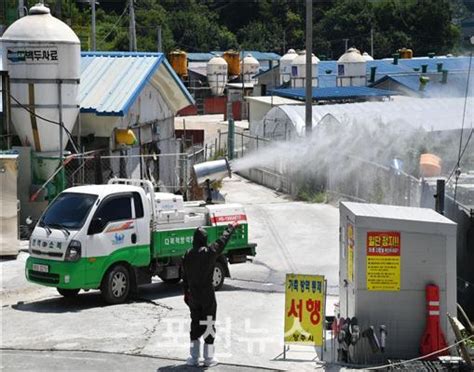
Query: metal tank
[(298, 70), (42, 56), (250, 68), (179, 62), (217, 75), (367, 56), (285, 66), (351, 69), (232, 58)]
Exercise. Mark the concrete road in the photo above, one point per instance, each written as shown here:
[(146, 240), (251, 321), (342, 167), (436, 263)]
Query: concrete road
[(33, 360), (291, 237)]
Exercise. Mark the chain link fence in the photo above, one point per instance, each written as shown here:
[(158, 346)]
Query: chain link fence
[(366, 182), (169, 172)]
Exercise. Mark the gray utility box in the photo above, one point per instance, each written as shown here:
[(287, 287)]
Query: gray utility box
[(388, 254)]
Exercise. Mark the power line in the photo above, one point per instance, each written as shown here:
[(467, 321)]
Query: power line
[(114, 26), (461, 149), (465, 106)]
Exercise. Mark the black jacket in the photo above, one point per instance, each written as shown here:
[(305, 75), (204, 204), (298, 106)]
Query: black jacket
[(199, 263)]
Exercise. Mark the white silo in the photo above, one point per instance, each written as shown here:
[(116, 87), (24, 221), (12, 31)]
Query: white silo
[(250, 68), (42, 56), (298, 70), (285, 66), (217, 75), (351, 69), (367, 56)]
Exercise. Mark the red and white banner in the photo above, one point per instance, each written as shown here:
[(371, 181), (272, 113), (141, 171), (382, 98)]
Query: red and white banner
[(224, 220)]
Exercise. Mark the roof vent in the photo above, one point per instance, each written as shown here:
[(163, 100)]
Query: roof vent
[(39, 8)]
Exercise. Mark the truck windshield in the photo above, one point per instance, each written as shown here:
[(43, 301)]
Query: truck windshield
[(68, 210)]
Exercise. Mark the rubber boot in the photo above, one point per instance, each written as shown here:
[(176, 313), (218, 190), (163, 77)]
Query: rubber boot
[(194, 353), (209, 359)]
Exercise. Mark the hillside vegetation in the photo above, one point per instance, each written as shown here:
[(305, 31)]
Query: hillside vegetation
[(272, 25)]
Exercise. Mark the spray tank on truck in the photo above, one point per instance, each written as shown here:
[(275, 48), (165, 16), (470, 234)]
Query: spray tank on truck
[(209, 172)]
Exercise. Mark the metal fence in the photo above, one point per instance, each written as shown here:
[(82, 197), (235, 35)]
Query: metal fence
[(367, 182), (169, 172)]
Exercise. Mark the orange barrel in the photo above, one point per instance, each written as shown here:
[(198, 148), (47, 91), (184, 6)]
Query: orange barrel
[(406, 53), (430, 165), (179, 62), (233, 61)]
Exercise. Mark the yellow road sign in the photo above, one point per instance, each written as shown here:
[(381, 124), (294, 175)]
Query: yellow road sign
[(305, 303)]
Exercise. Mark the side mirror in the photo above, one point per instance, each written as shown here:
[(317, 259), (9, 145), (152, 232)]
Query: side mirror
[(96, 226)]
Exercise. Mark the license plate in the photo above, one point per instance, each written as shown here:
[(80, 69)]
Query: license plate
[(41, 268)]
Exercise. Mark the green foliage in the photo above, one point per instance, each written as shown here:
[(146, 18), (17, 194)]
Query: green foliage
[(311, 196), (219, 154), (270, 25), (196, 28)]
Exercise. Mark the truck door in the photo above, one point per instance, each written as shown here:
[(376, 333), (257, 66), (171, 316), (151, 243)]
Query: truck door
[(141, 215), (118, 233)]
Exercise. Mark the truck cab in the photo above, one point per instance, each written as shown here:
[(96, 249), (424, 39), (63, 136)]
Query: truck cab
[(117, 236)]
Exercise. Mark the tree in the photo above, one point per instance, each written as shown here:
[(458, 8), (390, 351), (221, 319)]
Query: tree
[(422, 25), (271, 25), (348, 19), (195, 29)]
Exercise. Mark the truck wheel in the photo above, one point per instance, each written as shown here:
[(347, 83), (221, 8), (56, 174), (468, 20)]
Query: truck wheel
[(116, 285), (218, 276), (68, 292)]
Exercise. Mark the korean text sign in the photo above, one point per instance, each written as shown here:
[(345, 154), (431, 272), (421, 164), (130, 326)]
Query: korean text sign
[(304, 309), (350, 252), (383, 260)]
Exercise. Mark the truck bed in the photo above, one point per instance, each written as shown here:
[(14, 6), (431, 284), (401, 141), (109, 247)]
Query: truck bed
[(175, 242)]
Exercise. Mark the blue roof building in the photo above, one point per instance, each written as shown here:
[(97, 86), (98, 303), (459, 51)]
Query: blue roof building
[(435, 87), (402, 77), (111, 82), (138, 91), (335, 93), (127, 89)]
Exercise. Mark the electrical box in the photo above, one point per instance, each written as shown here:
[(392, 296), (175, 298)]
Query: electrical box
[(388, 255)]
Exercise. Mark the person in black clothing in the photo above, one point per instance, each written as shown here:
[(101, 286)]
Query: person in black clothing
[(198, 270)]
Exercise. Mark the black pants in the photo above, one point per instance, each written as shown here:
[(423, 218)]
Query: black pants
[(203, 319)]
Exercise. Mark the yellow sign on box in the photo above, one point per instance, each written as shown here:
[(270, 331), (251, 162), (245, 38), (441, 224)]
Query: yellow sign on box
[(383, 261), (350, 252), (304, 309)]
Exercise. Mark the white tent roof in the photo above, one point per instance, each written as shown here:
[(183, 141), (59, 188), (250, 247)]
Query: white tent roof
[(431, 114)]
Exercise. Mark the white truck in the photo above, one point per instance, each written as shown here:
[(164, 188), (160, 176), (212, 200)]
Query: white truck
[(115, 237)]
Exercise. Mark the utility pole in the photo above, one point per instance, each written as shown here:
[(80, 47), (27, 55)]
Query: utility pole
[(309, 79), (372, 42), (345, 44), (21, 8), (284, 43), (59, 9), (132, 33), (93, 46), (159, 40)]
